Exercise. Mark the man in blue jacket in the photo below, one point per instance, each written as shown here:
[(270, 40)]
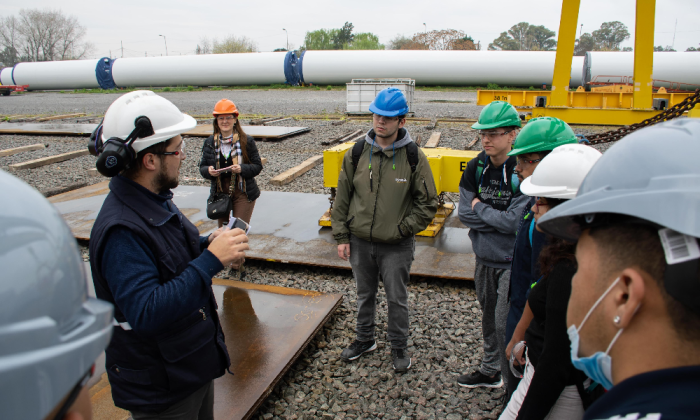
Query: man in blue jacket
[(150, 262)]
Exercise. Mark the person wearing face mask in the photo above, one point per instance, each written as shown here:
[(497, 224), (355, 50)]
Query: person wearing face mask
[(550, 385), (230, 160), (490, 204), (539, 137), (634, 309)]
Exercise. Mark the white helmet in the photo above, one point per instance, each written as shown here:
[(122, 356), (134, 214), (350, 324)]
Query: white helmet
[(166, 119), (561, 172)]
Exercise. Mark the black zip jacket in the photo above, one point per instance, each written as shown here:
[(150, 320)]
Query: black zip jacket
[(248, 170)]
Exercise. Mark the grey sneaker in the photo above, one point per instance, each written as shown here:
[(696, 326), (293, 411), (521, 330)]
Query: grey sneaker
[(401, 360), (357, 349), (477, 379)]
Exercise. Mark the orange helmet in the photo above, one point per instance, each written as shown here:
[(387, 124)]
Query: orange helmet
[(225, 106)]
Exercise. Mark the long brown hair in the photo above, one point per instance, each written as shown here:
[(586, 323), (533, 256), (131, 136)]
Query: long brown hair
[(242, 136)]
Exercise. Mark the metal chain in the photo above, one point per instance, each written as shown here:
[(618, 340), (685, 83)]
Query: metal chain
[(673, 112)]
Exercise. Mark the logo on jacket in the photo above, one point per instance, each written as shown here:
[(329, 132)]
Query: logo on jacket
[(401, 180)]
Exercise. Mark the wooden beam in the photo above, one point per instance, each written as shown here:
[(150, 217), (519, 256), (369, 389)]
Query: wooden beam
[(472, 143), (264, 161), (291, 174), (343, 138), (433, 140), (356, 139), (30, 164), (15, 150), (279, 120), (60, 117)]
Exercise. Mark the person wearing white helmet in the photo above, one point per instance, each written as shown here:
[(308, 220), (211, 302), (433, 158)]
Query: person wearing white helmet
[(51, 332), (550, 385), (150, 262), (633, 316)]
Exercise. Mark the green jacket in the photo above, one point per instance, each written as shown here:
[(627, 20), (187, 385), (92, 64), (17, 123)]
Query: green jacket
[(398, 203)]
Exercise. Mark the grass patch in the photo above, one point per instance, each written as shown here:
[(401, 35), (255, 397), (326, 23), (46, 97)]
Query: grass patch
[(449, 101)]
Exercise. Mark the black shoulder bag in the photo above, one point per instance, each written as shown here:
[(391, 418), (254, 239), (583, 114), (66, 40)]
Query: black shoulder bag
[(219, 204)]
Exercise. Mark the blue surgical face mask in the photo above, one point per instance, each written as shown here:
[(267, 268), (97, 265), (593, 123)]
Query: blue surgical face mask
[(598, 367)]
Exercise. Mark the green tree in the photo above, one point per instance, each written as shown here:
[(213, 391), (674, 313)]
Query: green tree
[(627, 49), (232, 44), (540, 38), (504, 42), (585, 43), (525, 37), (444, 39), (611, 35), (399, 42), (667, 48), (365, 41), (344, 36), (321, 39), (692, 49)]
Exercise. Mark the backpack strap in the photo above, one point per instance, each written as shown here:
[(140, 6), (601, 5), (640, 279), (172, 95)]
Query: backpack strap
[(412, 155), (532, 230), (514, 183), (357, 152), (479, 170)]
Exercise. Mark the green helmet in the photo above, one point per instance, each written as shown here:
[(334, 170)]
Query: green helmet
[(543, 134), (497, 114)]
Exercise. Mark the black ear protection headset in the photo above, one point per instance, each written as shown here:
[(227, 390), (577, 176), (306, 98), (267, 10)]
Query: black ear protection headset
[(115, 154)]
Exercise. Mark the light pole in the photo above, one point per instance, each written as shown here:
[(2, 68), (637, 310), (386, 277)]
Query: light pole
[(285, 31), (425, 27), (166, 44)]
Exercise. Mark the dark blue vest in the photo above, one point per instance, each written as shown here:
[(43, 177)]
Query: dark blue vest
[(152, 373)]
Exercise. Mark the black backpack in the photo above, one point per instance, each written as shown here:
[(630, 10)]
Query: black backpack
[(411, 154)]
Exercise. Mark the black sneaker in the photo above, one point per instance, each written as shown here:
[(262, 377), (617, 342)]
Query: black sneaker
[(401, 360), (477, 379), (356, 349)]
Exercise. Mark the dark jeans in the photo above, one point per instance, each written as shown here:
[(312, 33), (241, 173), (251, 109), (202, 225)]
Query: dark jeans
[(392, 262), (198, 406)]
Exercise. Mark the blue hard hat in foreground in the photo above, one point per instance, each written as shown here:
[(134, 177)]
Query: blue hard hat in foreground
[(390, 102)]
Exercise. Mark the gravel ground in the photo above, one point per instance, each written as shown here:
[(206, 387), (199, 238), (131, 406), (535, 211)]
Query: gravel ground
[(266, 102), (445, 316)]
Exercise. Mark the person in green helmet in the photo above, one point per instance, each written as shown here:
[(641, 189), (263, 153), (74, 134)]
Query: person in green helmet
[(539, 137), (490, 204)]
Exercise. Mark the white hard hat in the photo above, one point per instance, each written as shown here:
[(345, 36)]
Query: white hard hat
[(561, 172), (165, 117)]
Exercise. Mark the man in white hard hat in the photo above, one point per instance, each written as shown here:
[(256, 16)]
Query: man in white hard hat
[(150, 262)]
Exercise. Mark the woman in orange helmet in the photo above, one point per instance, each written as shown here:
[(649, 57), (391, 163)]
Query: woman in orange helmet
[(230, 158)]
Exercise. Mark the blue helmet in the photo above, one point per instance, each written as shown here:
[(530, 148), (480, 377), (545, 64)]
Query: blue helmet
[(390, 102)]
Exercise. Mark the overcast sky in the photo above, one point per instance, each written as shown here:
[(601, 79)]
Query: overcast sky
[(184, 23)]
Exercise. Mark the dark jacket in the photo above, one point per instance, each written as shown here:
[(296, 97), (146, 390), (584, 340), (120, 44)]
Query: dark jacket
[(395, 204), (525, 270), (149, 261), (248, 170), (667, 394), (548, 343), (493, 222)]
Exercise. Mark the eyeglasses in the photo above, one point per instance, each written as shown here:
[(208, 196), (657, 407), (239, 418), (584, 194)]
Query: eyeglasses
[(226, 118), (540, 201), (492, 135), (519, 161), (176, 153)]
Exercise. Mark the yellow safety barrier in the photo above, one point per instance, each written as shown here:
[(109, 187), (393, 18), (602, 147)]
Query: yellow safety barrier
[(447, 166), (526, 99)]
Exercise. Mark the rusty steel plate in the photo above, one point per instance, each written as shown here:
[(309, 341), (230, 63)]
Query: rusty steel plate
[(203, 130), (266, 328), (284, 228)]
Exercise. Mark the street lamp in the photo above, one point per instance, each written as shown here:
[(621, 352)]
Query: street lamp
[(166, 44), (285, 31), (425, 27)]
